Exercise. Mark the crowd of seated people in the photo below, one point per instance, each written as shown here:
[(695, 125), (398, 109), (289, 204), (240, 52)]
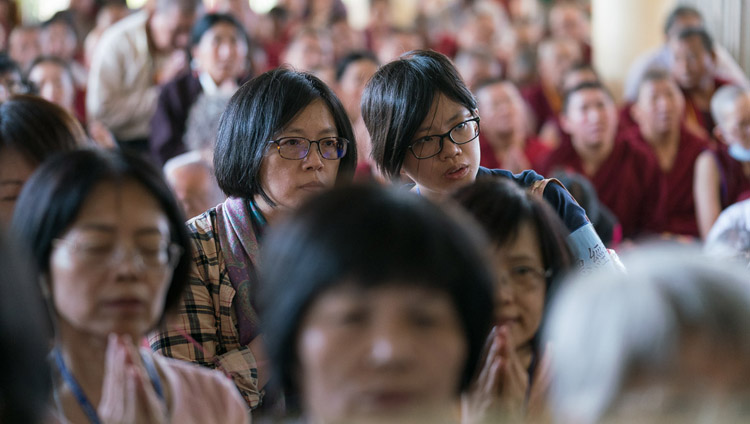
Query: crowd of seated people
[(220, 215)]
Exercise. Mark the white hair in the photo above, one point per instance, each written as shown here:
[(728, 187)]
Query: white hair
[(606, 328), (723, 102)]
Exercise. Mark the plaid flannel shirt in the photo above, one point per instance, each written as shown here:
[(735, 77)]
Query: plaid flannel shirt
[(206, 315)]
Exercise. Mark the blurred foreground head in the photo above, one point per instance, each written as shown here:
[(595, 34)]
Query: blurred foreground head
[(666, 342)]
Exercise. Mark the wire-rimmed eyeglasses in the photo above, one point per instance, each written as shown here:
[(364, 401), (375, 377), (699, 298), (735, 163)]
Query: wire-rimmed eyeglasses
[(297, 148)]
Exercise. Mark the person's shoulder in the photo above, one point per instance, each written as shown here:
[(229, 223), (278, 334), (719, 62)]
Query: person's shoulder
[(202, 226), (135, 22), (193, 386)]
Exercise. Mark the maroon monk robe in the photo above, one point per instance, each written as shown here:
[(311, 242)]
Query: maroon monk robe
[(544, 103), (734, 183), (697, 115), (679, 212), (629, 182), (534, 150)]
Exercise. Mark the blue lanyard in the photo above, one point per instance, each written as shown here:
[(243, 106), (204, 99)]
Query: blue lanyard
[(81, 398)]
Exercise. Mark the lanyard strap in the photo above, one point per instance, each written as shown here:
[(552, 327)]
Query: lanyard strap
[(80, 396)]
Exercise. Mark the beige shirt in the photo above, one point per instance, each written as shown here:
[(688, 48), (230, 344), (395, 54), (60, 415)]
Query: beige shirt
[(121, 91)]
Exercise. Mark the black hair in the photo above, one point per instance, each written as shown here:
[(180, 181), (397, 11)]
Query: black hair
[(25, 379), (37, 128), (354, 57), (706, 41), (501, 207), (677, 13), (398, 98), (53, 196), (209, 20), (586, 85), (257, 113), (8, 65), (652, 75), (371, 236), (61, 17), (53, 60)]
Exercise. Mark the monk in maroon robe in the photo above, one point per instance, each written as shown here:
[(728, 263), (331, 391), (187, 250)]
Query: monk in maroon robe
[(505, 141), (722, 174), (694, 68), (658, 113), (624, 173)]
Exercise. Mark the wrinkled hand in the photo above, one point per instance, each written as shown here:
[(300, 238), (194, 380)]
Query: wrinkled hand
[(128, 396)]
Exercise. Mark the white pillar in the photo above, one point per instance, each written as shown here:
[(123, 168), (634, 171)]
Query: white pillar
[(620, 31)]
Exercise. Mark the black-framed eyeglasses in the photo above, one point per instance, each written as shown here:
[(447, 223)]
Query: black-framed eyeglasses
[(297, 148), (431, 145)]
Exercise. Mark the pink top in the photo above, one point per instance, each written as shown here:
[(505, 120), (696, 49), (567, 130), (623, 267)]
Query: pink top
[(200, 395)]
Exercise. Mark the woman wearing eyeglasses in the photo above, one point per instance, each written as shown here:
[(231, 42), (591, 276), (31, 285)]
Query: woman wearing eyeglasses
[(113, 256), (283, 137), (529, 256), (424, 124)]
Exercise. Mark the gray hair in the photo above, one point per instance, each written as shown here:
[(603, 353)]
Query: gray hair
[(203, 121), (607, 328), (723, 102)]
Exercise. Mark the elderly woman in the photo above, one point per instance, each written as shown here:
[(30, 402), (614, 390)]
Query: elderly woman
[(31, 130), (529, 254), (283, 137), (377, 304), (113, 256), (666, 342), (424, 124), (219, 48)]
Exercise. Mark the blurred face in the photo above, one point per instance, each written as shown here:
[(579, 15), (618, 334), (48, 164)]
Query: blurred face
[(591, 120), (691, 63), (685, 21), (659, 107), (54, 83), (556, 61), (170, 28), (501, 109), (380, 354), (306, 53), (15, 169), (475, 69), (288, 182), (58, 40), (522, 286), (102, 273), (221, 52), (455, 165), (735, 127), (352, 83), (195, 188), (23, 46), (568, 21), (10, 84)]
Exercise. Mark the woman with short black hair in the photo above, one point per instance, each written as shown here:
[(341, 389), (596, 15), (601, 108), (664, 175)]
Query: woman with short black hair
[(283, 137), (377, 304), (113, 257)]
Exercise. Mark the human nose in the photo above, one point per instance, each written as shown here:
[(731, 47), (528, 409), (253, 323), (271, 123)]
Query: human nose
[(449, 148), (504, 288), (390, 346), (314, 158)]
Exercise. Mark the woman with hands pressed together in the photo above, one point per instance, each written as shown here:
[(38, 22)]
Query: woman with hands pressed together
[(113, 256), (528, 255)]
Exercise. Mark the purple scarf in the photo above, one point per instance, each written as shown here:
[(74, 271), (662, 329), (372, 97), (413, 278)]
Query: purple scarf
[(239, 246)]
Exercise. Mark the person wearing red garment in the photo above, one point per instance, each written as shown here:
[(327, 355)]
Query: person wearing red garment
[(505, 141), (554, 58), (658, 112), (722, 174), (694, 69), (625, 174)]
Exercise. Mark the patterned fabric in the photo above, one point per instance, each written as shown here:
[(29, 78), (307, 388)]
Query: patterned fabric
[(204, 330)]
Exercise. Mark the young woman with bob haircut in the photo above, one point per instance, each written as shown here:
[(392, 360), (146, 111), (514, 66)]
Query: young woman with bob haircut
[(376, 304), (31, 130), (113, 257), (283, 137), (424, 124), (529, 255)]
